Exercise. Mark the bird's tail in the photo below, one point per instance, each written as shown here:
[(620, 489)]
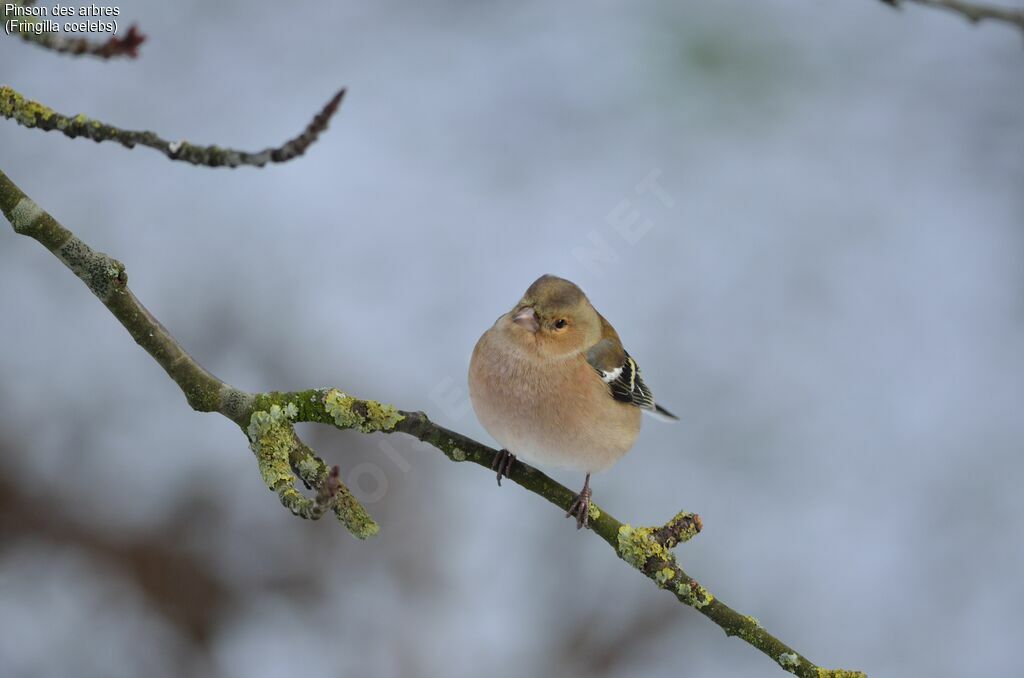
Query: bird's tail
[(661, 413)]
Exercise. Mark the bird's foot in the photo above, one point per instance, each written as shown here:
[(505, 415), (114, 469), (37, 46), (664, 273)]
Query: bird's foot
[(502, 464), (580, 508)]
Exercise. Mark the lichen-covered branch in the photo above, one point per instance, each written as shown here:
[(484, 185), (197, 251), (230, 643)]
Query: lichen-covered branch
[(33, 29), (648, 549), (973, 12), (29, 113), (279, 451), (268, 420)]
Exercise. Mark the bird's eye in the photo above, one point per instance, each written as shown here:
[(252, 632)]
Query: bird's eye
[(561, 323)]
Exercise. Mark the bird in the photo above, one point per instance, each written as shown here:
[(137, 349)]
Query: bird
[(552, 383)]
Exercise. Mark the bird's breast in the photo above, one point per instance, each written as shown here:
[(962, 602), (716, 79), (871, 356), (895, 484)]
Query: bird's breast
[(557, 413)]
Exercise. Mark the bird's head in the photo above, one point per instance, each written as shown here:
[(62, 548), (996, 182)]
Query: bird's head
[(555, 318)]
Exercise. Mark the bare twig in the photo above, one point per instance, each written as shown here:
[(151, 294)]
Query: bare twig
[(268, 419), (971, 11), (33, 29), (30, 113)]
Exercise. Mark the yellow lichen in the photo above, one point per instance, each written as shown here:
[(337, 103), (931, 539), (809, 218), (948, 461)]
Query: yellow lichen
[(25, 111), (271, 438), (664, 575), (693, 594), (364, 529), (354, 517), (637, 546), (366, 415), (683, 527)]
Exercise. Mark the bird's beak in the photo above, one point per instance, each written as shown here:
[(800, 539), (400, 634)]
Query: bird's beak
[(526, 318)]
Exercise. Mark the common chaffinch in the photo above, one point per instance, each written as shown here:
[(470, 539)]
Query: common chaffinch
[(551, 382)]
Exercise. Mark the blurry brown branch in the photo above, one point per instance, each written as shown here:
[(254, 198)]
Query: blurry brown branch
[(268, 420), (29, 113), (188, 592), (32, 29), (973, 12)]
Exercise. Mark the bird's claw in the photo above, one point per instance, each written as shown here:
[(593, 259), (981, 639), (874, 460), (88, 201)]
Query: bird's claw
[(580, 508), (502, 464)]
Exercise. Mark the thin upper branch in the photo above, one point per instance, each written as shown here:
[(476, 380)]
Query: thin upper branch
[(33, 29), (973, 12), (29, 113), (269, 418)]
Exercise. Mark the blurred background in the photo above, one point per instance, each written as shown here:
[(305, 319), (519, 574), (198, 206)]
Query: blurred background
[(827, 285)]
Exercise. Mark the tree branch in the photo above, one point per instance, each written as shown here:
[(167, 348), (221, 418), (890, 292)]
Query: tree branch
[(279, 450), (33, 29), (29, 113), (269, 418), (973, 12)]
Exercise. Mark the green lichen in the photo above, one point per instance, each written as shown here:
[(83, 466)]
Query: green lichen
[(354, 517), (272, 438), (366, 415), (693, 594), (637, 546), (458, 454), (664, 575), (840, 673), (753, 620), (593, 512)]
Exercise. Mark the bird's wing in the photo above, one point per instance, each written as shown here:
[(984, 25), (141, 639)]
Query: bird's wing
[(618, 369)]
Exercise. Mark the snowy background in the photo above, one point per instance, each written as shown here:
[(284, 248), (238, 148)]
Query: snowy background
[(830, 293)]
